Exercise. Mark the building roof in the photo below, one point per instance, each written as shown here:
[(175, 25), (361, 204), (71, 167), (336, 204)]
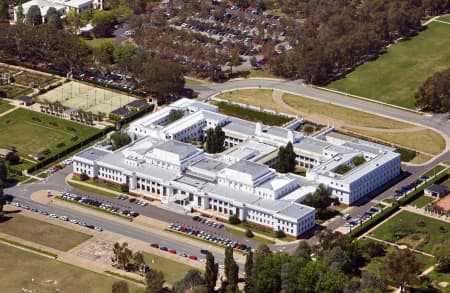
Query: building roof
[(437, 188), (181, 149), (93, 153), (26, 99), (122, 111), (254, 169), (137, 104)]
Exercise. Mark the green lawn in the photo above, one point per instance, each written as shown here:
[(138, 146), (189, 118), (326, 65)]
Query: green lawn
[(396, 76), (404, 228), (435, 170), (91, 189), (4, 106), (96, 43), (242, 234), (42, 232), (32, 132), (173, 271), (422, 201), (22, 269), (445, 18), (30, 78), (252, 115), (440, 277)]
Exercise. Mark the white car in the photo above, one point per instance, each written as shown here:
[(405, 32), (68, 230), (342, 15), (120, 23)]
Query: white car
[(73, 221)]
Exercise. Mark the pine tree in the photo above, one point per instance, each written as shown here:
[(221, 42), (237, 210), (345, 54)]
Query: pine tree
[(4, 13), (20, 16), (289, 158), (34, 16), (53, 18), (228, 262), (280, 164), (209, 140), (211, 272), (233, 277), (248, 269), (220, 138)]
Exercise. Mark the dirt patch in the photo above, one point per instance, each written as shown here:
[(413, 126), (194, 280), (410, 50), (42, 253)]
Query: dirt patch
[(97, 250), (443, 284)]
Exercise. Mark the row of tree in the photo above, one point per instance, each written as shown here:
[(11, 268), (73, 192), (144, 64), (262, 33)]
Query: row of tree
[(337, 36), (215, 138)]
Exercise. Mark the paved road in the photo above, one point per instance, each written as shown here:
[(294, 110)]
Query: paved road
[(23, 193)]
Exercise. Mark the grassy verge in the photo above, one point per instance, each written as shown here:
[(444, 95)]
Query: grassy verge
[(35, 273), (99, 183), (263, 231), (435, 143), (202, 240), (255, 237), (91, 189), (413, 59), (434, 171), (28, 247), (256, 97), (252, 115), (420, 159), (125, 277), (41, 232), (173, 271), (422, 201), (95, 208)]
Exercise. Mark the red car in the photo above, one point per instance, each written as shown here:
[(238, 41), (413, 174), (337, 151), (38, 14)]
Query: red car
[(154, 245), (173, 251), (193, 257)]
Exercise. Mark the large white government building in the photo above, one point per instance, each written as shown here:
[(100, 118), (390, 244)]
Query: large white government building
[(163, 163)]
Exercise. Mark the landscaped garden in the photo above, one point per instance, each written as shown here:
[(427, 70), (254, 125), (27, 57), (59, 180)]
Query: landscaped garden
[(414, 230)]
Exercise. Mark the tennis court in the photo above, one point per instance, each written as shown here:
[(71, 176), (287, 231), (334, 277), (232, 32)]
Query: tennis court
[(87, 98)]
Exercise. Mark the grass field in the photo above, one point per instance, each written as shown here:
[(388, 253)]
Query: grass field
[(256, 97), (252, 115), (425, 140), (96, 43), (396, 76), (420, 159), (86, 97), (254, 238), (403, 228), (346, 115), (4, 106), (173, 271), (440, 277), (434, 170), (421, 201), (22, 269), (445, 18), (42, 232), (32, 132), (14, 91)]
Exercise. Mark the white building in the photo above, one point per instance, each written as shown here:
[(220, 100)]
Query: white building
[(61, 6), (160, 164)]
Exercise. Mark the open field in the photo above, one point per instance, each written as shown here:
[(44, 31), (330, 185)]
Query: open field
[(31, 132), (346, 115), (42, 232), (256, 97), (425, 140), (33, 79), (445, 18), (13, 91), (252, 115), (438, 278), (420, 159), (173, 271), (22, 269), (396, 76), (416, 231), (89, 98), (421, 201), (254, 238), (4, 106)]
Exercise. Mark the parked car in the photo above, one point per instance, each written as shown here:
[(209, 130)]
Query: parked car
[(193, 257), (163, 248), (154, 245)]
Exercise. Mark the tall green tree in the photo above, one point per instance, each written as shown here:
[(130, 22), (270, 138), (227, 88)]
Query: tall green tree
[(233, 278), (211, 271), (174, 115), (248, 268), (19, 15), (434, 94), (228, 261), (4, 13), (54, 19), (370, 282), (303, 251), (235, 60), (138, 259), (34, 16), (2, 198), (155, 281), (286, 159), (320, 200), (119, 140), (220, 138), (209, 141), (3, 170), (401, 267), (192, 279), (120, 287)]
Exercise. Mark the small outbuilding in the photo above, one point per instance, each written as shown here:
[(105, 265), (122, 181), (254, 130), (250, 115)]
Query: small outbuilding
[(138, 105), (436, 190), (123, 112), (26, 100)]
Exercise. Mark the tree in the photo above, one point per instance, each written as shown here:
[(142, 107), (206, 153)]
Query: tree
[(121, 255), (320, 200), (286, 159), (54, 19), (119, 140), (84, 177), (19, 14), (191, 280), (73, 20), (303, 251), (124, 187), (234, 220), (373, 249), (4, 13), (260, 5), (215, 139), (228, 261), (434, 94), (12, 158), (174, 115), (280, 234), (253, 61), (120, 287), (233, 277), (210, 141), (220, 138), (370, 281), (138, 259), (211, 271), (235, 60), (3, 171), (2, 199), (249, 233), (248, 268), (34, 16), (155, 281), (124, 53), (336, 259), (401, 267)]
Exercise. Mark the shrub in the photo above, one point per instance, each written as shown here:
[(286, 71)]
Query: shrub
[(415, 237), (234, 220), (249, 233), (308, 129), (46, 152), (342, 169), (443, 229), (359, 160), (279, 234), (124, 187), (36, 119), (75, 138), (60, 145), (53, 124), (421, 224), (71, 129), (84, 177)]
